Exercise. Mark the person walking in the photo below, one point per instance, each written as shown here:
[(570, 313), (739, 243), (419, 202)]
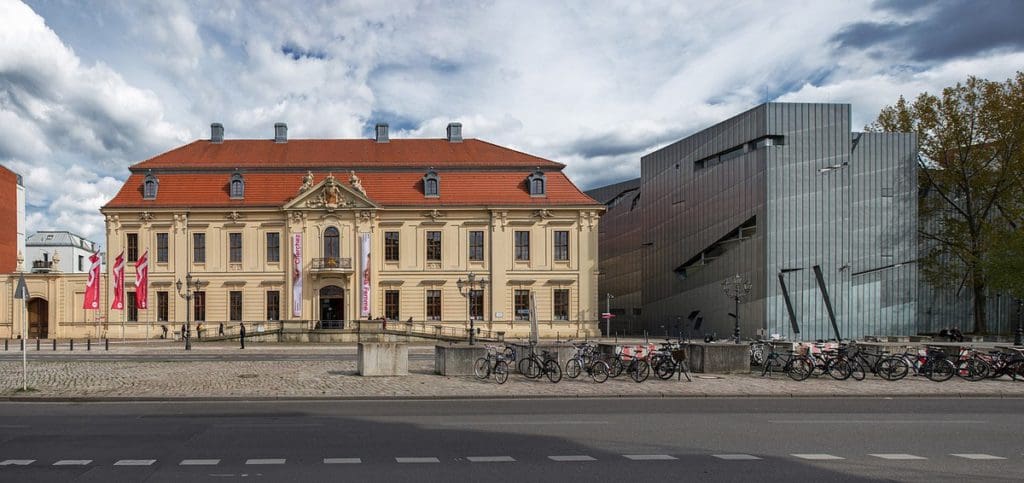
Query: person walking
[(241, 334), (220, 330)]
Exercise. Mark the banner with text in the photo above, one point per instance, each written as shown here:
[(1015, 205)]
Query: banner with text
[(297, 275), (364, 239)]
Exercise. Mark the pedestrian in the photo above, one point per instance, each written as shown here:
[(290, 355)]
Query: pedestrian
[(199, 331), (241, 334), (220, 330), (184, 335), (163, 329)]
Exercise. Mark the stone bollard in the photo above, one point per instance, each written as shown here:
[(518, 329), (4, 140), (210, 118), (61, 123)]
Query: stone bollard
[(71, 344), (383, 359), (37, 343), (88, 343), (106, 343), (5, 344), (54, 344)]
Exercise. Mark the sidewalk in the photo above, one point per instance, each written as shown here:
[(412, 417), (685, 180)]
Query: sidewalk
[(253, 380)]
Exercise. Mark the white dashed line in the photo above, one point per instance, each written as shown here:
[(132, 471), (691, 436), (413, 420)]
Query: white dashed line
[(134, 462), (817, 456), (580, 457), (342, 461), (265, 461), (199, 463), (417, 460), (490, 459), (72, 463), (16, 462), (649, 457), (898, 456), (736, 457), (978, 456)]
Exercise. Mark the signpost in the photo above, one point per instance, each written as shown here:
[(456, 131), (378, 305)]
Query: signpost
[(22, 293)]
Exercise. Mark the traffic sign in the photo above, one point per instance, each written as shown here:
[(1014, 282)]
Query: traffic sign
[(22, 291), (607, 315)]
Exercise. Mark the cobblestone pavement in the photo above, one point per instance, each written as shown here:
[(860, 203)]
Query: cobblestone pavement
[(98, 379)]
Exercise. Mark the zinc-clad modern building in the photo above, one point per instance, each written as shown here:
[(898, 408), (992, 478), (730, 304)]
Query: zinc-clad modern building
[(769, 194)]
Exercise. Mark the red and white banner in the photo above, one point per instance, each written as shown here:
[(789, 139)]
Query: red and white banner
[(142, 281), (92, 286), (364, 309), (297, 275), (118, 283)]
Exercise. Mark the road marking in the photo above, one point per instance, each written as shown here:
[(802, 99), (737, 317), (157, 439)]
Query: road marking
[(876, 421), (16, 462), (580, 457), (72, 463), (490, 459), (978, 456), (649, 457), (817, 456), (736, 457), (342, 461), (134, 462), (417, 460), (898, 456), (265, 461), (199, 463), (519, 423)]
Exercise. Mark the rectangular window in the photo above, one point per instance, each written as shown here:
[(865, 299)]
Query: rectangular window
[(273, 305), (199, 248), (81, 263), (273, 247), (131, 309), (560, 305), (434, 246), (235, 247), (476, 304), (562, 245), (391, 246), (433, 305), (522, 304), (522, 246), (391, 304), (161, 248), (133, 247), (476, 246), (235, 305), (161, 306), (199, 306)]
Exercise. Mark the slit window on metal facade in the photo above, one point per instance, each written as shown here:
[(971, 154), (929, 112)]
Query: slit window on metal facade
[(476, 246), (161, 306), (161, 248), (199, 306), (522, 246), (560, 306), (132, 311), (391, 246), (391, 304), (433, 305), (739, 150), (273, 305), (133, 246), (235, 247), (739, 234), (476, 304), (561, 245), (434, 246), (273, 247), (235, 305), (521, 301), (199, 248)]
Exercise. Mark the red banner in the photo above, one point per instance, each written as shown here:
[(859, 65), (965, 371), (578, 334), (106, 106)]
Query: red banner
[(118, 283), (142, 281), (92, 286)]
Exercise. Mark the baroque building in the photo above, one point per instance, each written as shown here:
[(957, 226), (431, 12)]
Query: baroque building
[(321, 232)]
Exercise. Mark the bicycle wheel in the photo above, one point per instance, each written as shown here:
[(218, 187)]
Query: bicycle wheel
[(641, 372), (1016, 370), (615, 367), (482, 368), (939, 370), (799, 368), (573, 368), (665, 369), (972, 369), (553, 370), (839, 369), (501, 372), (857, 371), (893, 368), (599, 371), (533, 370)]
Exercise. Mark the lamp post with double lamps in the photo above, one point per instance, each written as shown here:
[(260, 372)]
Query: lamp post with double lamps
[(736, 287), (466, 288), (191, 285)]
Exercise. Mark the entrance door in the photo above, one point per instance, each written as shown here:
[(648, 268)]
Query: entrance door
[(38, 318), (332, 307)]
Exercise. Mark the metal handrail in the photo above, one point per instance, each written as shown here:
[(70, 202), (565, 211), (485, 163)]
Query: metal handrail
[(331, 263)]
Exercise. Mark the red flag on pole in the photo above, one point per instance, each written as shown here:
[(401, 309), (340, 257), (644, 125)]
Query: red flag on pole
[(142, 281), (118, 283), (92, 286)]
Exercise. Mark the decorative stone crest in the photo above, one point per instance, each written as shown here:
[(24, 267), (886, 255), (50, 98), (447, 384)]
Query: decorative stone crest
[(330, 197), (307, 182), (145, 217), (499, 219), (366, 216), (234, 216), (433, 214), (356, 183), (543, 214), (180, 221)]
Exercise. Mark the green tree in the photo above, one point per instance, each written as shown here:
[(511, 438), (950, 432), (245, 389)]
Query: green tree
[(971, 144)]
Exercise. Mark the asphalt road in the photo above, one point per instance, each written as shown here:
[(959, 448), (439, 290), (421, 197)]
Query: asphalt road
[(193, 356), (528, 440)]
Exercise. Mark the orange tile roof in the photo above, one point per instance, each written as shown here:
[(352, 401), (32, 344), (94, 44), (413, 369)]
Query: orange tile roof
[(341, 154), (384, 188)]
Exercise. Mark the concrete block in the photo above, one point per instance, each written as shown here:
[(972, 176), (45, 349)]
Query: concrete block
[(719, 358), (457, 359), (383, 359)]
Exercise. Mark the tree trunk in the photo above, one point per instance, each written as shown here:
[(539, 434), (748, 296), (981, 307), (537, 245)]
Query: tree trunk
[(980, 306)]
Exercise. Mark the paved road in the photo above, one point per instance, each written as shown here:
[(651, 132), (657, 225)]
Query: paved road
[(543, 440), (194, 356)]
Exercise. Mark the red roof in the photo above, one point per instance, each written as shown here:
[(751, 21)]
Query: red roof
[(341, 153), (384, 188)]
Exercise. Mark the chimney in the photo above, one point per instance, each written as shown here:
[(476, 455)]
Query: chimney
[(382, 133), (455, 132), (280, 132), (216, 133)]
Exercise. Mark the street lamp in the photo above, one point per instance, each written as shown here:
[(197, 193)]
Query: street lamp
[(1019, 333), (736, 288), (190, 288), (469, 284)]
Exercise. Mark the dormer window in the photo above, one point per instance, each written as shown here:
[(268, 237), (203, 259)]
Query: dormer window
[(537, 183), (149, 187), (237, 186), (431, 184)]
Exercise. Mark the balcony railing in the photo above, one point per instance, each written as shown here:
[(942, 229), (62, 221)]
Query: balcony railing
[(332, 264), (42, 265)]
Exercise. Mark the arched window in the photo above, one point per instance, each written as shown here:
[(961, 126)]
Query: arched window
[(431, 184), (332, 246), (537, 183), (237, 186), (149, 187)]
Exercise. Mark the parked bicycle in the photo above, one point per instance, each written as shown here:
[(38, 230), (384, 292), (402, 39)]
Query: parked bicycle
[(494, 363), (637, 366), (674, 363), (546, 364), (586, 359), (790, 363)]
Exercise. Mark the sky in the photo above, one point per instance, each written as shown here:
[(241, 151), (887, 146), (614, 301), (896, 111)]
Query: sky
[(89, 88)]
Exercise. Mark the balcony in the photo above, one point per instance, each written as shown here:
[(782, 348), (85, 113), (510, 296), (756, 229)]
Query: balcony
[(332, 264), (41, 266)]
